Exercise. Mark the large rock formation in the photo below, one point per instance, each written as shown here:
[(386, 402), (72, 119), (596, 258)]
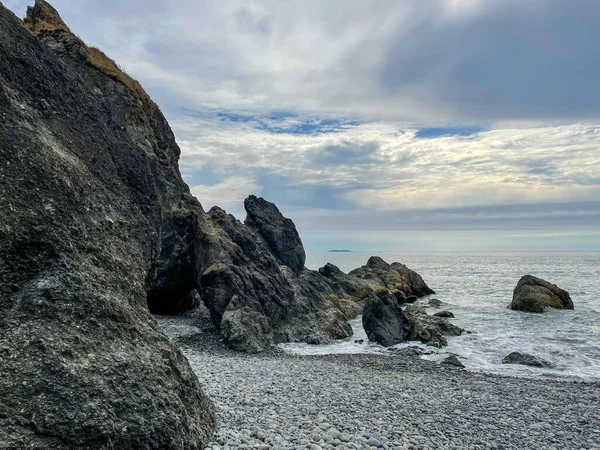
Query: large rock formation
[(396, 277), (384, 321), (91, 193), (278, 232), (535, 295)]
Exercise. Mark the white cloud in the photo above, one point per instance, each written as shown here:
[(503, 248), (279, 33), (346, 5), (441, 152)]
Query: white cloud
[(508, 166), (231, 192)]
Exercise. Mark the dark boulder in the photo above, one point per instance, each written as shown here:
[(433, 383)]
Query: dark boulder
[(278, 231), (89, 182), (381, 275), (384, 321), (535, 295), (526, 360), (445, 314)]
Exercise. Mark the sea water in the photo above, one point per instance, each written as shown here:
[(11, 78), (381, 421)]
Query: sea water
[(477, 288)]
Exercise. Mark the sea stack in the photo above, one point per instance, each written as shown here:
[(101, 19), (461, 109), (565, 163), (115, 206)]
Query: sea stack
[(536, 295)]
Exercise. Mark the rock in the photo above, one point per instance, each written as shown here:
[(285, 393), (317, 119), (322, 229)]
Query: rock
[(396, 276), (435, 303), (319, 311), (245, 329), (346, 284), (384, 321), (410, 299), (526, 360), (535, 295), (445, 314), (409, 351), (400, 296), (428, 329), (90, 187), (452, 360), (278, 231)]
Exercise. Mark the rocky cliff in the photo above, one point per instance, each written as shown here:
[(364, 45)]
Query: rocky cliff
[(90, 192)]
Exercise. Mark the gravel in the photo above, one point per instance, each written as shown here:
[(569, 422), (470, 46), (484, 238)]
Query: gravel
[(282, 401)]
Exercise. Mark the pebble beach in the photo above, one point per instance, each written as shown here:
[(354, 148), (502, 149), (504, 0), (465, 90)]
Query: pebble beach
[(397, 401)]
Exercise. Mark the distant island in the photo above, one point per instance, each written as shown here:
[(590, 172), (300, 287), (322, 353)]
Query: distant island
[(340, 251)]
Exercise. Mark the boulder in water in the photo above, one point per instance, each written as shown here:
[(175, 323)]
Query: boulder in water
[(384, 321), (434, 303), (535, 295), (526, 360), (445, 314)]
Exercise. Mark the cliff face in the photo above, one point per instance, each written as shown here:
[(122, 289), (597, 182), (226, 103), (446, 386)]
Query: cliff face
[(89, 186)]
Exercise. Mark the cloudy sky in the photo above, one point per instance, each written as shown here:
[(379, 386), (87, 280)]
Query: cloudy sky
[(377, 125)]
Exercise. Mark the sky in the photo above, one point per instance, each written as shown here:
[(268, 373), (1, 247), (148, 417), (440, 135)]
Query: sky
[(383, 125)]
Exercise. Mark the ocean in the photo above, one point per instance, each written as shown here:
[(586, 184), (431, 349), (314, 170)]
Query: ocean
[(477, 287)]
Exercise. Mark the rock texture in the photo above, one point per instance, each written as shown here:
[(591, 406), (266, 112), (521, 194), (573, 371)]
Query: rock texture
[(431, 330), (90, 188), (397, 277), (526, 360), (535, 295), (384, 321), (278, 232)]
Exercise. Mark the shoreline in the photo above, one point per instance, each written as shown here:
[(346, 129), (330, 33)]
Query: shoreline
[(277, 400)]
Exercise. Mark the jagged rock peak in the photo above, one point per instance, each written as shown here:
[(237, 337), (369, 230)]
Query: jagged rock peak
[(278, 231), (43, 18)]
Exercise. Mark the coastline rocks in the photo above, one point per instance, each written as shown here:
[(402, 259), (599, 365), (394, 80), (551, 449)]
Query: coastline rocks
[(430, 330), (278, 232), (89, 182), (535, 295), (319, 311), (384, 321), (395, 276), (526, 360), (445, 314)]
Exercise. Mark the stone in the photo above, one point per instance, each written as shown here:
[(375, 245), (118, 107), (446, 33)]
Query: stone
[(526, 360), (90, 190), (384, 321), (535, 295), (445, 314), (452, 360), (435, 303)]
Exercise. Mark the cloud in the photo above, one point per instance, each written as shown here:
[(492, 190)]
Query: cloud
[(231, 192), (377, 166), (440, 62)]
